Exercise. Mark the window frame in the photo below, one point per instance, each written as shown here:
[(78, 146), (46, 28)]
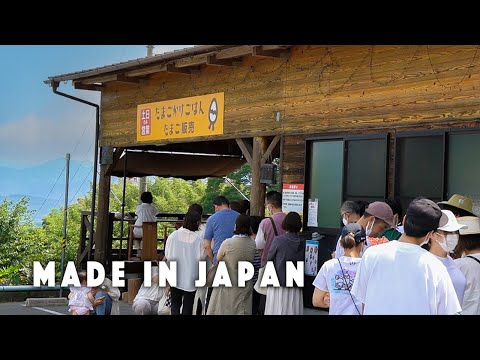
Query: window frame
[(344, 138)]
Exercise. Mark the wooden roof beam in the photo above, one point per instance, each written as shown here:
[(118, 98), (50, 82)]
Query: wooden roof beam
[(172, 68), (273, 53), (269, 150), (147, 70), (247, 150), (127, 79), (99, 79), (94, 87), (116, 156), (213, 60)]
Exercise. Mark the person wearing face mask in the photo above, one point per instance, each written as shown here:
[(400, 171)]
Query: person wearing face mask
[(350, 212), (378, 217), (268, 229), (469, 263), (400, 277), (442, 242), (460, 205)]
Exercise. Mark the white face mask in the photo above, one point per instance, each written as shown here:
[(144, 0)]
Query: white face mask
[(367, 230), (344, 221), (452, 241), (449, 243), (427, 239), (443, 243)]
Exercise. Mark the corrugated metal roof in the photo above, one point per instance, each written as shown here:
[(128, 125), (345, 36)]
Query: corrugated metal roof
[(168, 56)]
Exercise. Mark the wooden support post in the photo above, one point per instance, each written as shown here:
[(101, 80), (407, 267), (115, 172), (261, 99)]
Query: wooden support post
[(102, 230), (257, 194), (133, 287), (149, 241)]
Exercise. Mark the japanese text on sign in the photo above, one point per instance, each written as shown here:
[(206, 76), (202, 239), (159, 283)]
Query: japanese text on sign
[(181, 118), (292, 198)]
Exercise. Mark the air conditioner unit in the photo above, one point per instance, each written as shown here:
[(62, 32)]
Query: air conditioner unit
[(268, 174)]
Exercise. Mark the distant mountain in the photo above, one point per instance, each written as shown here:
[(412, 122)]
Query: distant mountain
[(35, 182)]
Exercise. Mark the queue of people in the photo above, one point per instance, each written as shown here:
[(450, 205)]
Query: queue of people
[(424, 262), (411, 273)]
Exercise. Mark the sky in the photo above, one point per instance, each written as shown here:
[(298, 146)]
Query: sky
[(36, 125)]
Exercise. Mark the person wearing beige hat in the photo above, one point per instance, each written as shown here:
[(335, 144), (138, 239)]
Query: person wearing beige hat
[(441, 243), (460, 205), (469, 264)]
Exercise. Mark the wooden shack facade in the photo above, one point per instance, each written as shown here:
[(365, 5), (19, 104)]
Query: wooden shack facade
[(348, 122)]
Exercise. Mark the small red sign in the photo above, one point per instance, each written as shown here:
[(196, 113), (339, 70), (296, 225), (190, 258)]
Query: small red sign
[(293, 186), (145, 123)]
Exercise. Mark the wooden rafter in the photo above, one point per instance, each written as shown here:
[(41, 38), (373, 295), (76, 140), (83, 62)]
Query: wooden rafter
[(116, 156), (269, 150), (99, 79), (80, 86), (273, 53), (147, 70), (246, 148), (173, 69), (127, 79), (213, 60)]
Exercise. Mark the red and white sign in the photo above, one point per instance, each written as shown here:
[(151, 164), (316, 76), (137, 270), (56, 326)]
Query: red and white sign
[(292, 198), (146, 122)]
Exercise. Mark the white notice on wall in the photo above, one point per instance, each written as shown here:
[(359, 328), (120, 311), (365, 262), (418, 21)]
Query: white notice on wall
[(312, 212), (292, 198)]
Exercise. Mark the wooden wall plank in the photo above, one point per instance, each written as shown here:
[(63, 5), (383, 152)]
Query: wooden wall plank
[(317, 89)]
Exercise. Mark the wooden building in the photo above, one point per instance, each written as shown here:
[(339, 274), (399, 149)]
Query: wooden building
[(348, 122)]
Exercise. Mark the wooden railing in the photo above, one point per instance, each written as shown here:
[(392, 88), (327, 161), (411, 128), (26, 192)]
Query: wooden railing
[(167, 223)]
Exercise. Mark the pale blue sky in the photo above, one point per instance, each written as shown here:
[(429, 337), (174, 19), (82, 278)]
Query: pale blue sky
[(36, 125)]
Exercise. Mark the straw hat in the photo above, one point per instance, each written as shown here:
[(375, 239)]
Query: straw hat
[(460, 202), (473, 225)]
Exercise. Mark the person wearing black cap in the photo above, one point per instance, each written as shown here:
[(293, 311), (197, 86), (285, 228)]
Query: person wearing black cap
[(336, 276), (400, 277)]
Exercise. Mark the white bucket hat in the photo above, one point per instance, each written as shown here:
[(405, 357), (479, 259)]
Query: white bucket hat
[(452, 223), (473, 225)]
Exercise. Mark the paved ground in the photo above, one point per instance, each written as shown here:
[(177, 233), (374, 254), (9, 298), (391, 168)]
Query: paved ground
[(19, 308)]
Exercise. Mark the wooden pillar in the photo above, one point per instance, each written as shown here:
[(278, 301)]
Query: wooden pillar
[(102, 229), (149, 241), (133, 287), (257, 193)]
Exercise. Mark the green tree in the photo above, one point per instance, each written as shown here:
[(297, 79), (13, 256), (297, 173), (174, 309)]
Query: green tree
[(21, 242), (241, 178)]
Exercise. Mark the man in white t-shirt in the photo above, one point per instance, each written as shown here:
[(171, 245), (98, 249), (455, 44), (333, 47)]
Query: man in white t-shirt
[(401, 278)]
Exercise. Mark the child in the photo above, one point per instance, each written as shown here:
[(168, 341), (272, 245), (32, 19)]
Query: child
[(146, 212), (80, 298)]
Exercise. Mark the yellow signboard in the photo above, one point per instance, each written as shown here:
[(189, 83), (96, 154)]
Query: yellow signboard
[(181, 118)]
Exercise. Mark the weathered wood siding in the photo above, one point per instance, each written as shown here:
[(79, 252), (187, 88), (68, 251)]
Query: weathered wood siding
[(317, 89)]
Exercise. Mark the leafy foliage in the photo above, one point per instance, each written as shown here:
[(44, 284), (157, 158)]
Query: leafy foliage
[(22, 243)]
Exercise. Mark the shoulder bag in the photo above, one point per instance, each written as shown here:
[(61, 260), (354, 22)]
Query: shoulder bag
[(258, 289)]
